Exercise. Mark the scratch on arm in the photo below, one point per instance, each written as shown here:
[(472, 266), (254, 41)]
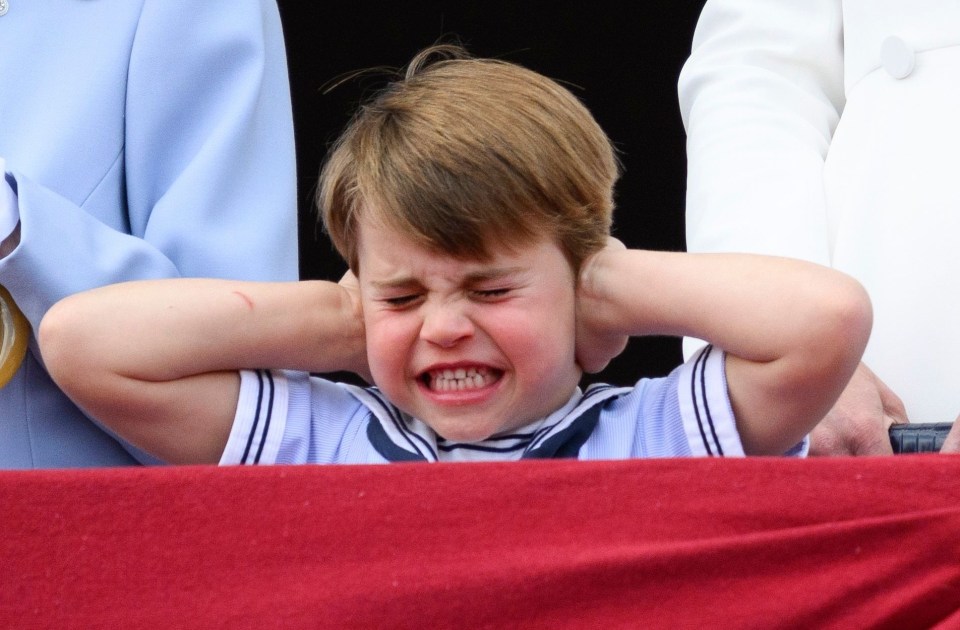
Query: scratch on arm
[(245, 298)]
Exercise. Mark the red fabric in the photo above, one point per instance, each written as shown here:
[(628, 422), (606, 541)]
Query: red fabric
[(656, 543)]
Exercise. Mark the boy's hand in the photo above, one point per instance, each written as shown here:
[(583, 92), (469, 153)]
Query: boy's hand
[(596, 346), (351, 285), (860, 421)]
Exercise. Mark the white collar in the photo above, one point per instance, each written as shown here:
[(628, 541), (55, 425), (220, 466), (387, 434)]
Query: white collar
[(398, 436)]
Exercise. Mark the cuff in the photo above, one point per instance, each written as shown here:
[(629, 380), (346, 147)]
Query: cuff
[(708, 418), (260, 421), (9, 210)]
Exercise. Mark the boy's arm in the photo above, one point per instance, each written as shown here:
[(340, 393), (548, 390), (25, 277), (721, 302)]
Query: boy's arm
[(174, 392), (793, 331)]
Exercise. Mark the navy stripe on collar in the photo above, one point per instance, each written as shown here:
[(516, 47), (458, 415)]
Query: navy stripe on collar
[(567, 443), (562, 439)]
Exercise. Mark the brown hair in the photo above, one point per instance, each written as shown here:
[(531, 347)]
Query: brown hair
[(463, 152)]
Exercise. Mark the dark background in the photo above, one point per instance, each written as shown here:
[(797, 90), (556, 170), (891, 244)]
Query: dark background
[(621, 59)]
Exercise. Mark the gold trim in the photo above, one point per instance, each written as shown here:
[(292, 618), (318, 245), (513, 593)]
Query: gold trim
[(14, 336)]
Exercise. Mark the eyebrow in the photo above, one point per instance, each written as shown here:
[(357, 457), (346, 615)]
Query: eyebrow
[(397, 283), (492, 274), (475, 277)]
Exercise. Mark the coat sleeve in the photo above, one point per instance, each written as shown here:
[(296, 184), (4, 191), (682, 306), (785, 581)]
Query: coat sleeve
[(208, 164), (760, 97)]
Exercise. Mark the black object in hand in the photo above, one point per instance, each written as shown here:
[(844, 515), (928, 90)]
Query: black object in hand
[(918, 438)]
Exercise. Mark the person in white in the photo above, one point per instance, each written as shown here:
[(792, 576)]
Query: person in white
[(827, 130)]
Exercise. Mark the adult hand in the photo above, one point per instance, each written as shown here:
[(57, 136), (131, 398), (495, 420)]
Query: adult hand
[(595, 345), (951, 444), (860, 421)]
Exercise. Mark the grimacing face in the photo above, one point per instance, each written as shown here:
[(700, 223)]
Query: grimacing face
[(471, 348)]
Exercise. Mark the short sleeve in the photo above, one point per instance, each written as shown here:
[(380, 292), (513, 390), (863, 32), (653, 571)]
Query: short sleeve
[(707, 415), (687, 413), (704, 404), (287, 417), (260, 420)]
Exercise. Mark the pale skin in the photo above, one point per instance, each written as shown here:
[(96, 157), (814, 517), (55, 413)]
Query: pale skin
[(506, 324), (156, 360), (794, 332), (161, 356)]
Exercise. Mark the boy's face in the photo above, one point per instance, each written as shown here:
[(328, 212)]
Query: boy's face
[(471, 348)]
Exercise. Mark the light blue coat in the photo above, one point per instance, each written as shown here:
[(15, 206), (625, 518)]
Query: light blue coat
[(144, 139)]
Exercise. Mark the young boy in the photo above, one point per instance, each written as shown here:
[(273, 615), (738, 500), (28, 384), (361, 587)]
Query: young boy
[(472, 200)]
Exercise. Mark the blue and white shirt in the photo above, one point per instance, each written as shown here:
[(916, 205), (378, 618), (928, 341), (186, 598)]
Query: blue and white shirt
[(293, 418)]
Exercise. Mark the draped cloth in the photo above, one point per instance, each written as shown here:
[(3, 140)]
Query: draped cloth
[(747, 543)]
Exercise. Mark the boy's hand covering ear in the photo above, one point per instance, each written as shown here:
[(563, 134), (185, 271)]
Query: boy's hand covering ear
[(351, 285), (596, 345)]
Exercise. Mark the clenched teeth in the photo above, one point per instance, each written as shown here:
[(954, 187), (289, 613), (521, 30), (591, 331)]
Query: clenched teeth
[(460, 379)]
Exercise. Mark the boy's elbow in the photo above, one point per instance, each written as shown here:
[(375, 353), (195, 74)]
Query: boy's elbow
[(806, 383), (51, 338), (62, 346), (835, 342), (850, 322)]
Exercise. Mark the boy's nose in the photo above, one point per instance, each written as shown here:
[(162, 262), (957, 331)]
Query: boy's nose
[(445, 326)]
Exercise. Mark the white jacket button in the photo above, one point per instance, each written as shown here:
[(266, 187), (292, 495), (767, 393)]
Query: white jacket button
[(897, 57)]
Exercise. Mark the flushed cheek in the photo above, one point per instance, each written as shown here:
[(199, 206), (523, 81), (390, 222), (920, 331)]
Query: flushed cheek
[(542, 363), (388, 352), (539, 348)]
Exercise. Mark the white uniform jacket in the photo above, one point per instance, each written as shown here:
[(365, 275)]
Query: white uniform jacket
[(144, 139), (829, 130)]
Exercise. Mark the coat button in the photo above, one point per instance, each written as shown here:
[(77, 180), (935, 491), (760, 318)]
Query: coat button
[(4, 7), (897, 57)]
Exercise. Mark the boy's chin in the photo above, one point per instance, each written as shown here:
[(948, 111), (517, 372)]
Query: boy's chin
[(462, 436), (458, 431)]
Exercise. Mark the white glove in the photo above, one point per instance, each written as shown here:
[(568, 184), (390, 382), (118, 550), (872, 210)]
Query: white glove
[(9, 210)]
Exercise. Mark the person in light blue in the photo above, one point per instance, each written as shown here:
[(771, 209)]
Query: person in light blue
[(138, 139)]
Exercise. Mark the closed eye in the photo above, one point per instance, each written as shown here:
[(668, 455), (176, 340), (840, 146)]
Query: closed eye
[(491, 294), (401, 300)]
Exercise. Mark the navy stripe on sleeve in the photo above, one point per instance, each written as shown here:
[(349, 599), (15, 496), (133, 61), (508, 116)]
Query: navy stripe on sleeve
[(260, 411), (706, 404), (700, 365), (256, 417), (266, 422)]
